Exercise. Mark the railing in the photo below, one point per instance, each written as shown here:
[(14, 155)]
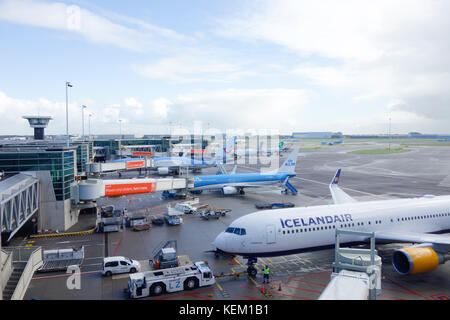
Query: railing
[(33, 263), (6, 267)]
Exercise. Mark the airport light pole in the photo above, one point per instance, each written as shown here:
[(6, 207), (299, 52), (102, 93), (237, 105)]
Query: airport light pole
[(120, 128), (389, 134), (68, 84), (89, 127), (82, 120)]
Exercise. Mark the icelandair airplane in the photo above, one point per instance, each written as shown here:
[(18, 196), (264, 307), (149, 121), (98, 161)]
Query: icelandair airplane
[(235, 183), (289, 231)]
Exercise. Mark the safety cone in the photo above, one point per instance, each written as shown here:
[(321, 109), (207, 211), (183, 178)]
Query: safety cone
[(262, 289), (279, 287)]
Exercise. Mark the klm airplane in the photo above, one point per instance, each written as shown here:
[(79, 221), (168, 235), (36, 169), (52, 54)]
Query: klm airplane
[(331, 143), (235, 183)]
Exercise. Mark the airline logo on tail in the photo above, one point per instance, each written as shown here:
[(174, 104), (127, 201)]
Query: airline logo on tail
[(336, 177), (229, 146), (290, 163)]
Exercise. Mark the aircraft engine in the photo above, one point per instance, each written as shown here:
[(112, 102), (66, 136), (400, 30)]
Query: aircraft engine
[(163, 171), (229, 190), (415, 260)]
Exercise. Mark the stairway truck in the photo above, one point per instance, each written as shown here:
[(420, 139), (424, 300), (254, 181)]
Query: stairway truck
[(156, 282)]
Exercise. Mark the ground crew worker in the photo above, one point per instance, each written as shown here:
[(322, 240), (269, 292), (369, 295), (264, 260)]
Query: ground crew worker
[(266, 274)]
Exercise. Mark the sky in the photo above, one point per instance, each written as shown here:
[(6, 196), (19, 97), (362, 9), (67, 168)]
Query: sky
[(262, 66)]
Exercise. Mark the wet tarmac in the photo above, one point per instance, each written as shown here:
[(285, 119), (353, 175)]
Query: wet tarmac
[(423, 170)]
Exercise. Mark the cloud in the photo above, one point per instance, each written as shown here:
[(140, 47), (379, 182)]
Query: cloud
[(190, 69), (128, 33), (132, 102), (370, 51), (242, 109)]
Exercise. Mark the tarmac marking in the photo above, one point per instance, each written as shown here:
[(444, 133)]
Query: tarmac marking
[(198, 297), (304, 289), (407, 289), (64, 275), (318, 277), (314, 283), (389, 297), (282, 294), (247, 297), (322, 183), (92, 264), (395, 290)]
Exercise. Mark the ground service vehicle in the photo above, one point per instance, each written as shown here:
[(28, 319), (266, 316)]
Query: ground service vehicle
[(119, 264), (156, 282)]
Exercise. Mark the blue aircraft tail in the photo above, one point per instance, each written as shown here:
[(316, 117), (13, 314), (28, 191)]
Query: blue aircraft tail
[(290, 163)]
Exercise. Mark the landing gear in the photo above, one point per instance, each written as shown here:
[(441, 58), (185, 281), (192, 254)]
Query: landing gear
[(241, 191), (251, 270)]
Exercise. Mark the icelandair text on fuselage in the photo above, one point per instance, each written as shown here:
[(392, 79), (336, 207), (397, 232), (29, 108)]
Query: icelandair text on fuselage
[(314, 221)]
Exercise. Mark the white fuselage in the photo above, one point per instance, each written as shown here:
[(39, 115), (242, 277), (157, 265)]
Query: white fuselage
[(289, 231)]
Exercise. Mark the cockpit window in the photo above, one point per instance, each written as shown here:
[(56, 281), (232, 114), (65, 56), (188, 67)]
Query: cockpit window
[(238, 231)]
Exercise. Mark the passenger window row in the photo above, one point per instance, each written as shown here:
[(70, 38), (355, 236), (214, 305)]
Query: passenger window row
[(309, 229), (428, 216)]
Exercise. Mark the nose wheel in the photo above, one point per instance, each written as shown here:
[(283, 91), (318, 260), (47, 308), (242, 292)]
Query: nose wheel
[(251, 270)]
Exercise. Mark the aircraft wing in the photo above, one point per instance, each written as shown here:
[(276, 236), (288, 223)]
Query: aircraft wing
[(221, 169), (338, 195), (436, 239)]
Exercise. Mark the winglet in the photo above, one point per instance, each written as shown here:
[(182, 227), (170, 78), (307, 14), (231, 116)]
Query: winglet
[(336, 177), (338, 195)]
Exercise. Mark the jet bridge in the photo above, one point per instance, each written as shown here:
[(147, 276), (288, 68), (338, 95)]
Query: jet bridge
[(356, 272), (131, 164), (19, 200), (91, 189)]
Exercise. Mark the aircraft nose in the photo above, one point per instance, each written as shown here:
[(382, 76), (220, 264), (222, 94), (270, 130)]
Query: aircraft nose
[(219, 242)]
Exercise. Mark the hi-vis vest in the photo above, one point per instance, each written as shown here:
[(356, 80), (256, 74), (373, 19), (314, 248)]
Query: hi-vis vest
[(266, 270)]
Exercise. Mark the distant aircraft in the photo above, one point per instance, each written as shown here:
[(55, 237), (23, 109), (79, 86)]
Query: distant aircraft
[(166, 165), (330, 143), (239, 152), (289, 231), (173, 165), (235, 183)]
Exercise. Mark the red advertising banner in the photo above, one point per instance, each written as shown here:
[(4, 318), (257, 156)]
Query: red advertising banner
[(112, 190), (199, 150), (135, 164), (142, 154)]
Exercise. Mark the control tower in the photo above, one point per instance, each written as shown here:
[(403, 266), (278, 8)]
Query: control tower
[(39, 123)]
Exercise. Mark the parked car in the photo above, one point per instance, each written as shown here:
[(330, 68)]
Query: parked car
[(118, 264), (173, 220), (283, 205), (157, 220), (267, 205)]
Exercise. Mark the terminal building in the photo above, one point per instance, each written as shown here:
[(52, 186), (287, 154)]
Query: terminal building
[(54, 167)]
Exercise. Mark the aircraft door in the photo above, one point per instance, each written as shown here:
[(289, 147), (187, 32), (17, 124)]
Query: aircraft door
[(270, 234)]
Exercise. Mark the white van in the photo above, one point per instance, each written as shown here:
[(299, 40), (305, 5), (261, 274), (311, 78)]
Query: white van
[(119, 264)]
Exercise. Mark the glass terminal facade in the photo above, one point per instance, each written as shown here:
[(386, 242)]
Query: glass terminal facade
[(61, 165)]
